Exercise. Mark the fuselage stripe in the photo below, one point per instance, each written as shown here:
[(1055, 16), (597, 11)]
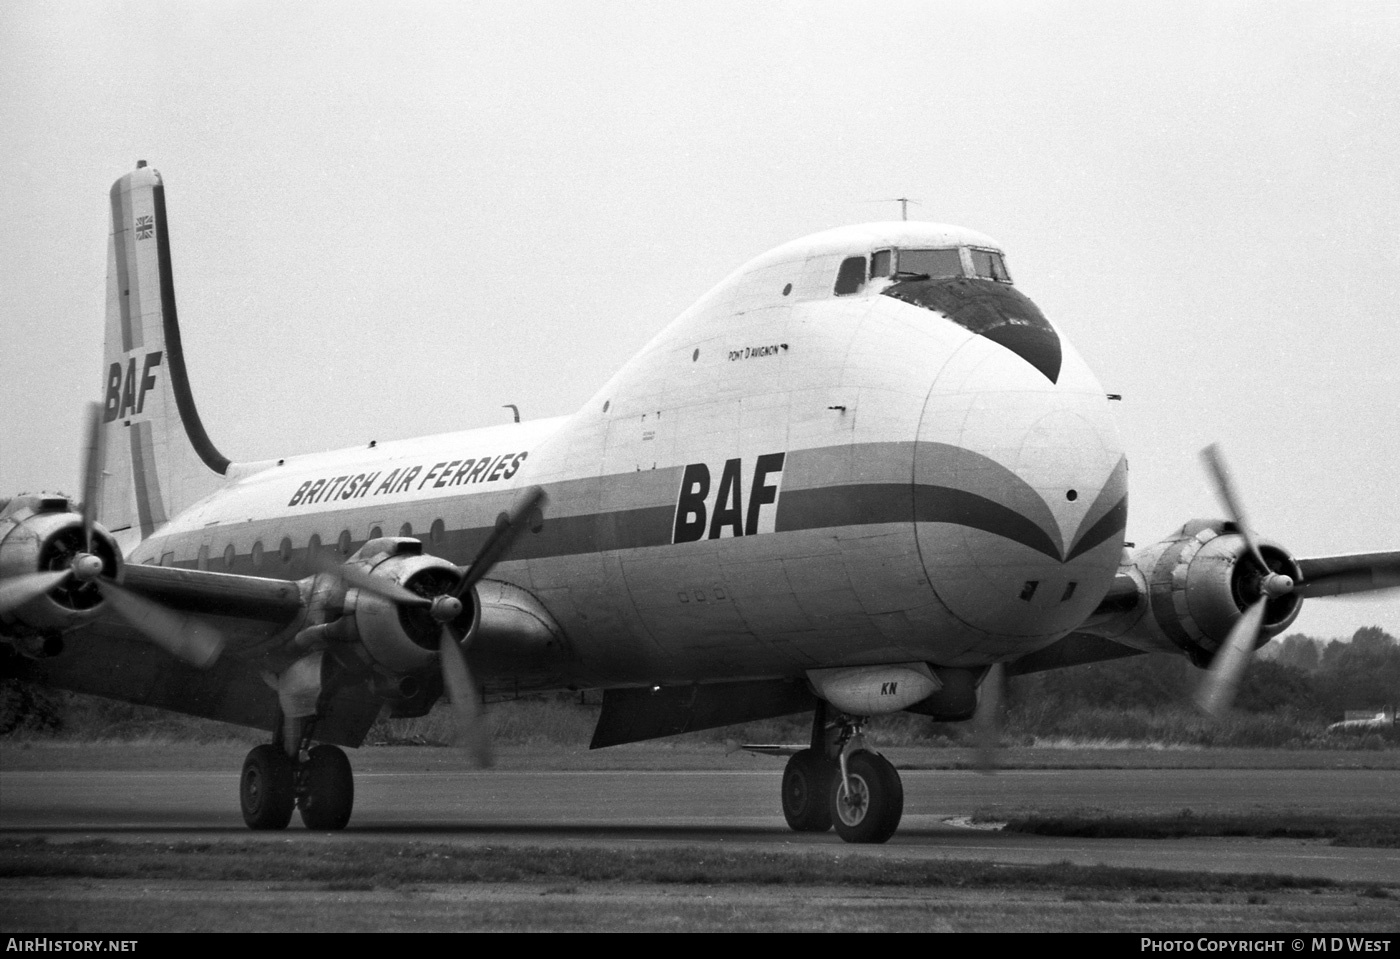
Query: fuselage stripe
[(1110, 523), (831, 507)]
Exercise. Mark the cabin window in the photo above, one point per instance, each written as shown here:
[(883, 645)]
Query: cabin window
[(313, 546), (437, 532), (989, 266), (202, 561), (935, 264), (285, 549), (375, 532), (881, 263), (406, 529), (851, 275), (228, 556), (257, 553), (343, 544)]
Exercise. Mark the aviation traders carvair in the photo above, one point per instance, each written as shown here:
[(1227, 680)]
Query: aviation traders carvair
[(859, 474)]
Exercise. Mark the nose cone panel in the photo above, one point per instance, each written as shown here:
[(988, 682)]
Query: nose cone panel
[(999, 312), (1020, 494)]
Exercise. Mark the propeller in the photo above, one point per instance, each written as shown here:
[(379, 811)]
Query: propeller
[(445, 608), (183, 636), (1217, 690), (18, 590)]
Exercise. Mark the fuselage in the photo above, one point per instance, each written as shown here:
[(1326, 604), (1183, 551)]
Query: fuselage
[(823, 462)]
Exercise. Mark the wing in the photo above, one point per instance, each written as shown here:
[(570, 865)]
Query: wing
[(1349, 573)]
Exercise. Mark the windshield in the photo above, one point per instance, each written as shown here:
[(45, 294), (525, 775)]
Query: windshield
[(936, 264), (989, 266)]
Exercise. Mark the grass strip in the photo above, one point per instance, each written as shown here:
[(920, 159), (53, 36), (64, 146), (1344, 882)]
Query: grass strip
[(353, 864), (1362, 831)]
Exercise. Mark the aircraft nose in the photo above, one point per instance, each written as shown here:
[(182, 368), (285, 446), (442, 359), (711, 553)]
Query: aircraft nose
[(1020, 493)]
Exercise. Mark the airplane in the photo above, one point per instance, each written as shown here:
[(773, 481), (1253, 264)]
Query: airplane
[(862, 475)]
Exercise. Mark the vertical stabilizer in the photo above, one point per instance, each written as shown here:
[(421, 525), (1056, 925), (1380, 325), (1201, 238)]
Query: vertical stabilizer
[(157, 457)]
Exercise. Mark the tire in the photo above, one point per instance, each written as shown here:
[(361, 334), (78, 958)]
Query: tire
[(327, 789), (806, 781), (873, 813), (267, 788)]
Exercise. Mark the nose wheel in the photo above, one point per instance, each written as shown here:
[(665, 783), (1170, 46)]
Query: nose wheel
[(866, 803), (839, 781), (806, 781)]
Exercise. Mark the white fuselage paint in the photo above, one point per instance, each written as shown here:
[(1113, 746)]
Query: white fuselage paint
[(909, 452)]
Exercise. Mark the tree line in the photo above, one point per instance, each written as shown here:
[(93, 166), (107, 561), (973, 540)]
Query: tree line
[(1299, 676)]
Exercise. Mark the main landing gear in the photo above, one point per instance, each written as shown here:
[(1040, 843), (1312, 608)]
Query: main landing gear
[(316, 780), (839, 781)]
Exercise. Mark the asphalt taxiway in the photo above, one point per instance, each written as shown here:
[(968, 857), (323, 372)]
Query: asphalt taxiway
[(403, 796)]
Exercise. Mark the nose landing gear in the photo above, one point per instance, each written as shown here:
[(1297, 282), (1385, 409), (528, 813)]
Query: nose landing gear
[(867, 801), (839, 781), (806, 781)]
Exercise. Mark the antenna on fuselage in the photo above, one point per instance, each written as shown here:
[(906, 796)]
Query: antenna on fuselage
[(903, 202), (514, 409)]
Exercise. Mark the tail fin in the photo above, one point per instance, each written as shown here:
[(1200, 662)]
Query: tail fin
[(157, 457)]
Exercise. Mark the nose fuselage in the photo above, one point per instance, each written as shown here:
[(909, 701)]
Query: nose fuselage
[(1020, 487), (863, 447)]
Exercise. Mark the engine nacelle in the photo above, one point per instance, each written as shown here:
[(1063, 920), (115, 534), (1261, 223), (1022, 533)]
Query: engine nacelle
[(42, 534), (405, 639), (1191, 589)]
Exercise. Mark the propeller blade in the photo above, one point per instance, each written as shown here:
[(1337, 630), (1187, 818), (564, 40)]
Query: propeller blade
[(1225, 489), (357, 578), (92, 471), (508, 527), (183, 636), (18, 590), (1217, 690), (987, 720), (457, 680)]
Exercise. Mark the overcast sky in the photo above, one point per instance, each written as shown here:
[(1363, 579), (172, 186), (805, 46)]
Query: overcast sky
[(391, 219)]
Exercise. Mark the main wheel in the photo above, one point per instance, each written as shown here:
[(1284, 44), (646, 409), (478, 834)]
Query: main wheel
[(871, 810), (327, 789), (806, 780), (267, 789)]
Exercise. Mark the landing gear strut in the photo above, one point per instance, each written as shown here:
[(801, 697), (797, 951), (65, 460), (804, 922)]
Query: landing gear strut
[(318, 781), (839, 781)]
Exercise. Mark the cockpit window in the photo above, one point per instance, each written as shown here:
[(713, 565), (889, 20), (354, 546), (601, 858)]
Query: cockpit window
[(881, 263), (851, 275), (989, 266), (936, 264)]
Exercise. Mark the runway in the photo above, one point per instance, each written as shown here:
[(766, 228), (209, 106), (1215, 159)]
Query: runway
[(414, 795)]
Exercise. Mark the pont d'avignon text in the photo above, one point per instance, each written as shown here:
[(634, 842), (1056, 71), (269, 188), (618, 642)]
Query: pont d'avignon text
[(1297, 944)]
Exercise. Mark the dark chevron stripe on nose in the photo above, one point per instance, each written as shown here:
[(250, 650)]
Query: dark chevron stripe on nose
[(1001, 313)]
